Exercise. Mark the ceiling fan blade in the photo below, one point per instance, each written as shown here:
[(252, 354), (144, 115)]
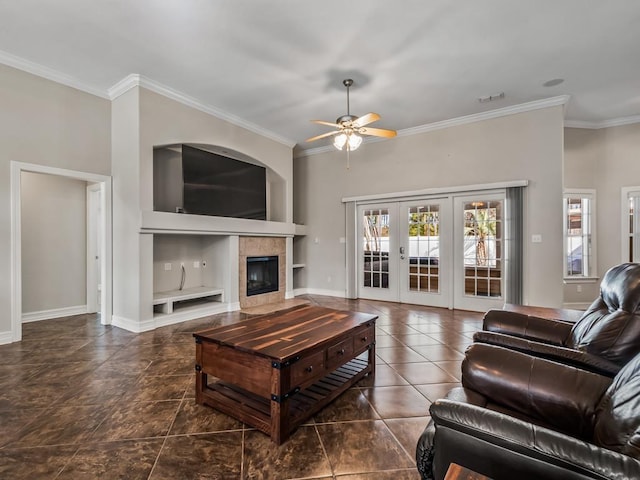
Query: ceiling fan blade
[(318, 137), (322, 122), (366, 119), (378, 132)]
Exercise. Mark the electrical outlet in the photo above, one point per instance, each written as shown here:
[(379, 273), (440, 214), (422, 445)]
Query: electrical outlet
[(579, 288), (196, 264), (167, 266)]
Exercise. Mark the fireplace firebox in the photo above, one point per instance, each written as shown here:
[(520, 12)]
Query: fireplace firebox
[(262, 275)]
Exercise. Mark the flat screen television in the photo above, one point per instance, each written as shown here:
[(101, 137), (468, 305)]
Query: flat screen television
[(222, 186)]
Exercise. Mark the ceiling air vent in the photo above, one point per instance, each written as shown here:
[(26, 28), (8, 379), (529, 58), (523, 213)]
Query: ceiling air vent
[(491, 98)]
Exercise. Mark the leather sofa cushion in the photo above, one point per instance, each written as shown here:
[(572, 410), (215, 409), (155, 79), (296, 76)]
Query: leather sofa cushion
[(617, 425), (560, 395), (610, 327)]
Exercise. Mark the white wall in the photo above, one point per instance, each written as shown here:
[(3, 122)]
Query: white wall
[(54, 240), (45, 123), (525, 146)]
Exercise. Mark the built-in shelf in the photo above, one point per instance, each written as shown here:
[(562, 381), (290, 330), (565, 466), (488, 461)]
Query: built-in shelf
[(299, 265), (171, 299), (183, 223)]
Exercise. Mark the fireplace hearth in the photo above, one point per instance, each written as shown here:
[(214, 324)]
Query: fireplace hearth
[(262, 275)]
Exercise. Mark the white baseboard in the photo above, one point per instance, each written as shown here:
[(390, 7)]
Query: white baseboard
[(53, 313), (6, 337), (134, 326), (319, 291), (179, 316)]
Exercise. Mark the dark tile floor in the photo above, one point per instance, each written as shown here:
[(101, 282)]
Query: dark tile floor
[(79, 400)]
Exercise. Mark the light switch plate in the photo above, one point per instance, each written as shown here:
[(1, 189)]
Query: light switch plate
[(536, 238)]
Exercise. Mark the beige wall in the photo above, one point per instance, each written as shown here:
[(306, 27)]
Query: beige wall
[(583, 150), (143, 119), (49, 124), (620, 167), (127, 241), (526, 146), (605, 160), (45, 123), (54, 241)]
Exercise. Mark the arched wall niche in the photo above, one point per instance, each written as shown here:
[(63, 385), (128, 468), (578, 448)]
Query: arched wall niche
[(167, 191)]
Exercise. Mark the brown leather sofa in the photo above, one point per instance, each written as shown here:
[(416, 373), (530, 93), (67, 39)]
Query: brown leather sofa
[(523, 417), (605, 338)]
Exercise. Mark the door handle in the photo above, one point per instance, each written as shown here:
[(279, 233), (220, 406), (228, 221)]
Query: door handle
[(402, 253)]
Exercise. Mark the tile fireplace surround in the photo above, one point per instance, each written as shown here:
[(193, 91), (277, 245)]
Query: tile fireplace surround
[(258, 247)]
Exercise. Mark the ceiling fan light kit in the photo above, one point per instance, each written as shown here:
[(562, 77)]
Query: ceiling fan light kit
[(349, 128), (351, 140)]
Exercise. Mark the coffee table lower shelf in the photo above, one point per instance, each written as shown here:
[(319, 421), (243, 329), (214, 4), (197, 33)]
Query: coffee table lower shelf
[(256, 411)]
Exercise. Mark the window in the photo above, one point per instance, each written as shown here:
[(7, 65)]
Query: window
[(579, 209), (631, 224)]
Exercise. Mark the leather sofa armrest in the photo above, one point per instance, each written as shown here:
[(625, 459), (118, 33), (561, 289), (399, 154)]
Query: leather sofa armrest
[(555, 394), (527, 326), (563, 314), (531, 445), (568, 356)]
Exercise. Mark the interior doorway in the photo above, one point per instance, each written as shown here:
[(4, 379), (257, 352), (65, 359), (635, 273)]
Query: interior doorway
[(94, 240), (101, 184)]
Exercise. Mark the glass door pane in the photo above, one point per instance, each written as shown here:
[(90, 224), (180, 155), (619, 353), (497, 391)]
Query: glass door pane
[(479, 243), (376, 262), (375, 229), (423, 250)]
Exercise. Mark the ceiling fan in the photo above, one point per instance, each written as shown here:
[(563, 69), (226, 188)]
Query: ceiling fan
[(349, 128)]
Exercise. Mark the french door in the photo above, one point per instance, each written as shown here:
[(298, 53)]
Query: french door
[(443, 252), (377, 252), (479, 258)]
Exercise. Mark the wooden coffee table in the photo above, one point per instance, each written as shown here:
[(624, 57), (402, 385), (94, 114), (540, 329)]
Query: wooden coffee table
[(273, 372)]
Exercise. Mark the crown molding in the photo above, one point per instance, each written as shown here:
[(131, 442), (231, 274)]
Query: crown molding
[(454, 122), (49, 74), (614, 122), (478, 117), (135, 80)]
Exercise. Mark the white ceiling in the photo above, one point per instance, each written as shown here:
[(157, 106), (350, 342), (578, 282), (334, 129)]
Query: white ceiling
[(278, 64)]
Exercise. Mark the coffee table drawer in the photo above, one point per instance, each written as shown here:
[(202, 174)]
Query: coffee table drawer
[(364, 338), (307, 367), (336, 354)]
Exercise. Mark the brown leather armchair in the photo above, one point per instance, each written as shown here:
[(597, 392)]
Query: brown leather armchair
[(602, 340), (523, 417)]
